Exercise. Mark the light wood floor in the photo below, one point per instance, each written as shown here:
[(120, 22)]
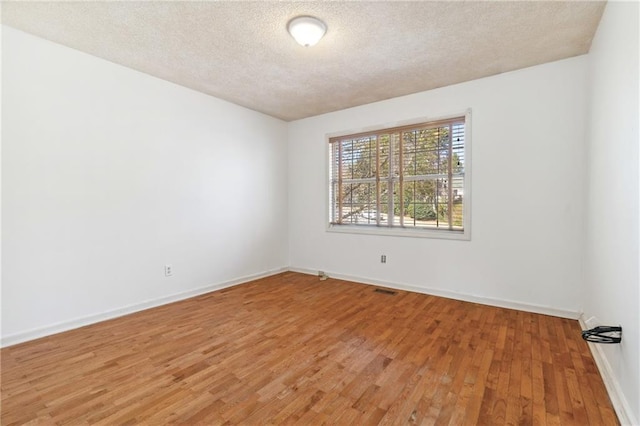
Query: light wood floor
[(293, 349)]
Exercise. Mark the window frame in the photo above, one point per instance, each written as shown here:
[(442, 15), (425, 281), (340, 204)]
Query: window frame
[(398, 231)]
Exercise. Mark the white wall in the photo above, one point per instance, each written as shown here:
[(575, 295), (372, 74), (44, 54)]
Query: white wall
[(612, 217), (528, 153), (108, 174)]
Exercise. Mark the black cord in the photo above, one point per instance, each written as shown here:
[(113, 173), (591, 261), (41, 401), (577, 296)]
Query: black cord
[(599, 334)]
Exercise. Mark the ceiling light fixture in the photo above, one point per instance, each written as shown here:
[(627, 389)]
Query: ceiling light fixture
[(306, 30)]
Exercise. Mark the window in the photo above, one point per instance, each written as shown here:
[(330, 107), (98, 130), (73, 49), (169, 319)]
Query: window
[(409, 180)]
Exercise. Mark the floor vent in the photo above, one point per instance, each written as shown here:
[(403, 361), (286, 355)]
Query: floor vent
[(383, 291)]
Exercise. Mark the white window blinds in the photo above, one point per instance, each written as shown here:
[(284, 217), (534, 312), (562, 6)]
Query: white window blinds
[(403, 177)]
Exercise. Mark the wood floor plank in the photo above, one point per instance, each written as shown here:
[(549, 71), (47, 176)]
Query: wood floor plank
[(290, 349)]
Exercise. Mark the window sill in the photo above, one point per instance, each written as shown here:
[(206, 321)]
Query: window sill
[(400, 232)]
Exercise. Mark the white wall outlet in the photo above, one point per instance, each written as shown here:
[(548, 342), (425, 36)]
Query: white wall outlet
[(168, 270), (383, 258)]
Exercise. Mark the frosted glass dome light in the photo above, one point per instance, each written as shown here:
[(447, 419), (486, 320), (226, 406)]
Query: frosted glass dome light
[(306, 30)]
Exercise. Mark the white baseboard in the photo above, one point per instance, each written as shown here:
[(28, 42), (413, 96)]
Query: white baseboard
[(620, 403), (546, 310), (92, 319)]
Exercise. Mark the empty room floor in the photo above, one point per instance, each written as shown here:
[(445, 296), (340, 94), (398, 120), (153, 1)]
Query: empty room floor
[(293, 349)]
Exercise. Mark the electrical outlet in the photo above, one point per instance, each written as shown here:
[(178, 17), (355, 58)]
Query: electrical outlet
[(383, 258), (168, 270)]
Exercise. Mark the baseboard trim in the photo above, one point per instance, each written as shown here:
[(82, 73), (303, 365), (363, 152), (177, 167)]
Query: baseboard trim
[(546, 310), (620, 403), (136, 307)]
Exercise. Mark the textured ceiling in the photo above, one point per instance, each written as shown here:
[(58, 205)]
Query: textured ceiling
[(241, 51)]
